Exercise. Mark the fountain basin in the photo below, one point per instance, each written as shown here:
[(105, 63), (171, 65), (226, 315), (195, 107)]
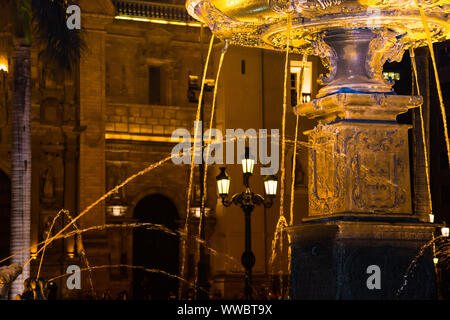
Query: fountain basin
[(262, 23), (353, 38)]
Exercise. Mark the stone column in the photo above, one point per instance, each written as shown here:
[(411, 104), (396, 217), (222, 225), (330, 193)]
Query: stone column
[(360, 212), (421, 201), (95, 15), (70, 183)]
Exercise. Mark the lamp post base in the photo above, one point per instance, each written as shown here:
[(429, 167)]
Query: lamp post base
[(248, 258)]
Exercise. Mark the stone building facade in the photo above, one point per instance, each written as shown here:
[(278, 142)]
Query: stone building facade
[(113, 117)]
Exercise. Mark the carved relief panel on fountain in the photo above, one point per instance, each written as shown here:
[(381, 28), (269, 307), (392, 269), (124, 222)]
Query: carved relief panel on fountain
[(359, 168), (325, 190)]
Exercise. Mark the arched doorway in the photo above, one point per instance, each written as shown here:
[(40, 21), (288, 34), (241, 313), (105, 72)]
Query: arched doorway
[(155, 249), (5, 207)]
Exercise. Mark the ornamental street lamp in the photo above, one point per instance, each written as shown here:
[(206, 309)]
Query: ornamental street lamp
[(247, 200)]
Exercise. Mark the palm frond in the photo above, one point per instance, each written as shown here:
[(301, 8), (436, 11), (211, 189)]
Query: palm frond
[(21, 15), (63, 46)]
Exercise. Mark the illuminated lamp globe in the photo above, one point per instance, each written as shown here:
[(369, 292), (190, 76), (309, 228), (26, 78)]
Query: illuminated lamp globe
[(270, 185), (223, 182), (248, 162)]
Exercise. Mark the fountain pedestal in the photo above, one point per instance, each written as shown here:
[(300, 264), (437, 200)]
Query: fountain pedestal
[(333, 259), (360, 217), (359, 160)]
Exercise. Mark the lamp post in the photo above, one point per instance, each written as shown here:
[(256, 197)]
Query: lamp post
[(194, 87), (247, 200)]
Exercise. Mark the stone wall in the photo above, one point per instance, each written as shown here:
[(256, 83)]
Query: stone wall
[(148, 119)]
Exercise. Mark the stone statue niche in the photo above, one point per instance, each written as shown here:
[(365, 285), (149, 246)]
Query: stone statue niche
[(51, 180)]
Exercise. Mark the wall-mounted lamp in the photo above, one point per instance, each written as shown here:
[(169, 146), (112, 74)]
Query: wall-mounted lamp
[(33, 250), (196, 212), (194, 85), (116, 210), (3, 64)]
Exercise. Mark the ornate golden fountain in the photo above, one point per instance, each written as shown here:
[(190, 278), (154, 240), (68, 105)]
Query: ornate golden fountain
[(321, 27), (360, 210)]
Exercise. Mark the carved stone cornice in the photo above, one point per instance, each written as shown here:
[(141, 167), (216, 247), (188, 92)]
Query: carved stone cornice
[(383, 107), (341, 230), (96, 14)]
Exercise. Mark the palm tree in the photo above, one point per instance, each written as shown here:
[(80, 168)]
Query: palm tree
[(47, 20), (20, 144)]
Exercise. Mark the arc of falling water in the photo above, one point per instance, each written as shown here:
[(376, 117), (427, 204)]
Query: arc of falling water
[(424, 142), (438, 87), (191, 173), (281, 223), (282, 220), (205, 173), (299, 90), (83, 254), (170, 275), (103, 197), (413, 264), (436, 76), (106, 195), (422, 126), (48, 236), (66, 212), (149, 226)]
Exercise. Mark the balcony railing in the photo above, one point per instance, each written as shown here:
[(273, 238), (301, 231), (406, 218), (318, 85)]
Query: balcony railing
[(153, 10)]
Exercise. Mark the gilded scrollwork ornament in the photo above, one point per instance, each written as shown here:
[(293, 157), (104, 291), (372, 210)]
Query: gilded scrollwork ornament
[(282, 7), (328, 56), (385, 47)]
